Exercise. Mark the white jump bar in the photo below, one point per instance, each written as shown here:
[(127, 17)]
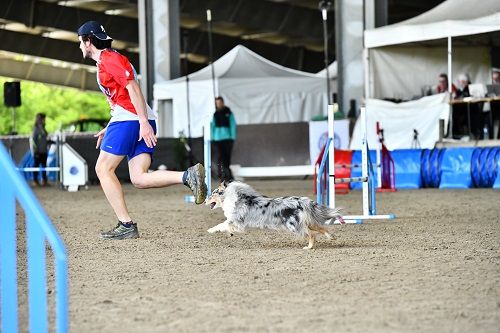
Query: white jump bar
[(369, 217), (39, 169), (351, 180)]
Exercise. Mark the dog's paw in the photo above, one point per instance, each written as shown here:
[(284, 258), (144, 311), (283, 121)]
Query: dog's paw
[(307, 248), (212, 230)]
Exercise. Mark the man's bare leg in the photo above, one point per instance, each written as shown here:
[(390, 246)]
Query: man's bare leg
[(195, 177), (105, 168), (138, 169)]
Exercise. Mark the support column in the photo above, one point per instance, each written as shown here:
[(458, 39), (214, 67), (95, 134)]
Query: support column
[(349, 26), (159, 42), (381, 13)]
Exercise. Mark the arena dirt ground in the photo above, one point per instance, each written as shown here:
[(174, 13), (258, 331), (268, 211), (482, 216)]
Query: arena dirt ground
[(436, 268)]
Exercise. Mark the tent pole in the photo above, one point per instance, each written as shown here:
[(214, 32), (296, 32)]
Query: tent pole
[(211, 50), (366, 65), (449, 64), (450, 82), (190, 152), (325, 6)]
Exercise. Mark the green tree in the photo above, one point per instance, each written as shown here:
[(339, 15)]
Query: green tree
[(61, 105)]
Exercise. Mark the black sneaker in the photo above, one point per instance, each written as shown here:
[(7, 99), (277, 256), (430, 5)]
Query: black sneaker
[(196, 182), (121, 232)]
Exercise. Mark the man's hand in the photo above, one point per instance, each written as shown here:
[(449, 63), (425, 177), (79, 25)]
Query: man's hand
[(99, 137), (147, 133)]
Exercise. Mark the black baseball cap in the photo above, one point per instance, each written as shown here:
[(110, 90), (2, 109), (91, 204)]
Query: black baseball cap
[(93, 28)]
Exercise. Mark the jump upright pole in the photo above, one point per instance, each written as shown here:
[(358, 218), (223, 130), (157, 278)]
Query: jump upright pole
[(367, 174)]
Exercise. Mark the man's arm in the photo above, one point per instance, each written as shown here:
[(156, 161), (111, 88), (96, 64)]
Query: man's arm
[(146, 131)]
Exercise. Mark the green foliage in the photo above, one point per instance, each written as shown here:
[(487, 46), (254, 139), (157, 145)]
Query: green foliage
[(61, 105)]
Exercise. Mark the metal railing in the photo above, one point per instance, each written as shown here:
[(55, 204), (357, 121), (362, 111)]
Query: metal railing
[(38, 230)]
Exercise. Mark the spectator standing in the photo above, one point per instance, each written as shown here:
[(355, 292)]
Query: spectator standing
[(223, 130)]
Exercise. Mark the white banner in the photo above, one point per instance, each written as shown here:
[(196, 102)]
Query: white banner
[(400, 120), (318, 135)]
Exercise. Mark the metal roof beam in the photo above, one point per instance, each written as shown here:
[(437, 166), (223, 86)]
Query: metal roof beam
[(44, 47), (259, 15), (67, 18), (67, 77)]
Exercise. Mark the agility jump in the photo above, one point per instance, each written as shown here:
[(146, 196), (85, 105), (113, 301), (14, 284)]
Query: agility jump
[(326, 192), (72, 168)]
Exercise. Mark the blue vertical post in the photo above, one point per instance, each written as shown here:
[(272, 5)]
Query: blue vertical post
[(371, 186), (37, 290), (8, 270), (319, 195), (207, 141), (327, 180), (62, 295)]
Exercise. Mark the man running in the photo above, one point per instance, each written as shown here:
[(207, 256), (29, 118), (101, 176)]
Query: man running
[(130, 132)]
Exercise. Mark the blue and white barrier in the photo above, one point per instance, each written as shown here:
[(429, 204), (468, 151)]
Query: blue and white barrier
[(39, 230), (455, 168)]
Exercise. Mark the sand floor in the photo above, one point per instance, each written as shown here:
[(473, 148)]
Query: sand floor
[(436, 268)]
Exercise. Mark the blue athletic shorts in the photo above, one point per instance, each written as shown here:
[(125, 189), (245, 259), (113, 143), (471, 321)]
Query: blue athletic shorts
[(121, 138)]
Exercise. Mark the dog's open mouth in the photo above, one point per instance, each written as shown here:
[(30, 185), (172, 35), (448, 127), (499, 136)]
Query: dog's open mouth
[(212, 205)]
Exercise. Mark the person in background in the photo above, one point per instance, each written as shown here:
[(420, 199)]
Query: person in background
[(461, 110), (495, 76), (39, 146), (463, 86), (495, 104), (442, 85), (223, 130)]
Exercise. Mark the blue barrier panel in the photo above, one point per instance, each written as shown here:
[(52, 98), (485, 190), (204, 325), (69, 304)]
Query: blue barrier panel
[(484, 166), (430, 166), (436, 160), (475, 167), (38, 230), (407, 168), (356, 171), (496, 184), (456, 168), (491, 165), (424, 167), (483, 172)]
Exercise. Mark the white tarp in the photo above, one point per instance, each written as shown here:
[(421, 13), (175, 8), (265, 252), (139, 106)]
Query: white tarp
[(399, 120), (256, 89), (450, 18)]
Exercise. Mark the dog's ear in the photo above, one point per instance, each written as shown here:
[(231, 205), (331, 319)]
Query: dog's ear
[(225, 183)]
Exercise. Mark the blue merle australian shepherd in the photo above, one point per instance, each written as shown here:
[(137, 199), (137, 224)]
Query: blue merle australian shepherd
[(246, 208)]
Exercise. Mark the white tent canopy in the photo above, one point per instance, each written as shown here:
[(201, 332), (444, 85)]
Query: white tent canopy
[(406, 71), (451, 18), (332, 71), (256, 89)]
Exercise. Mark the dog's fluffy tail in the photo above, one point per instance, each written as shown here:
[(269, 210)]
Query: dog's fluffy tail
[(324, 215)]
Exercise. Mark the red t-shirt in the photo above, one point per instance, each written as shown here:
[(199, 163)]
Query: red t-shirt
[(113, 73)]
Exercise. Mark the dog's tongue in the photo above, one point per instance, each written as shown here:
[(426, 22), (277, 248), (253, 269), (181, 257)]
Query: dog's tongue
[(212, 205)]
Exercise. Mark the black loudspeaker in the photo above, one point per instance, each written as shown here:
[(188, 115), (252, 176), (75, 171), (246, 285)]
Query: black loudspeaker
[(12, 93)]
